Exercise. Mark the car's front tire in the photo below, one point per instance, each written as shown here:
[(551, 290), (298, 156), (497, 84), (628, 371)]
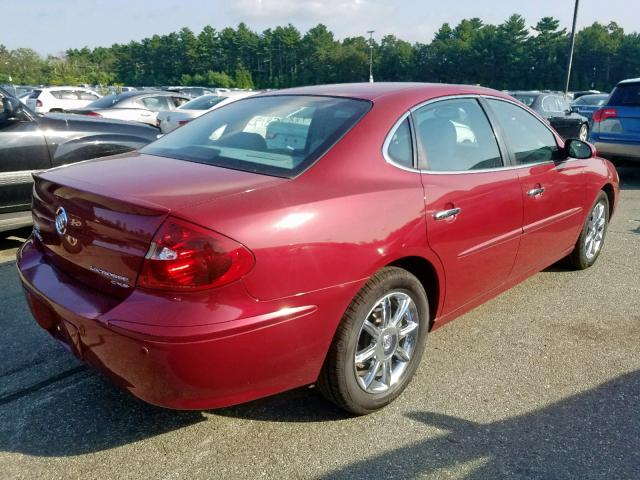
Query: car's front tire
[(379, 343), (594, 230)]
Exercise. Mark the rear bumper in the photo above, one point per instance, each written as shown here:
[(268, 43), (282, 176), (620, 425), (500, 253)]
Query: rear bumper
[(618, 150), (253, 350)]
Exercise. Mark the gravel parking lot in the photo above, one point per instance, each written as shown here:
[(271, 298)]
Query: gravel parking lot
[(542, 382)]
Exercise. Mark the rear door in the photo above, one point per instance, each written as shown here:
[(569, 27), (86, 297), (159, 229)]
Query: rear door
[(473, 203), (552, 189)]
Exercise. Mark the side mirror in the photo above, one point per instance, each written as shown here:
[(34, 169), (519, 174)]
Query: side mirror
[(10, 105), (578, 149)]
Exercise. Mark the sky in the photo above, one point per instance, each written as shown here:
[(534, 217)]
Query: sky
[(52, 26)]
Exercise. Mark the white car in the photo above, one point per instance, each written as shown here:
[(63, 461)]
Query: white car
[(59, 99), (170, 120)]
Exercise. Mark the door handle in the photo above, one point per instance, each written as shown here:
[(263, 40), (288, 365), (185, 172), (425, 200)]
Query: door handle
[(442, 214), (536, 192)]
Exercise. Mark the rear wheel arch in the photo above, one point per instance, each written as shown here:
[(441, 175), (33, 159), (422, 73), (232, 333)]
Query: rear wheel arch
[(425, 271)]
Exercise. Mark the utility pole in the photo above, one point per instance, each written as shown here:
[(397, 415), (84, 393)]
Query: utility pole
[(371, 32), (573, 42)]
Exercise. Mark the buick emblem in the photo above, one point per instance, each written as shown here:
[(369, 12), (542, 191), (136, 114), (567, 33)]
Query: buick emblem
[(61, 221)]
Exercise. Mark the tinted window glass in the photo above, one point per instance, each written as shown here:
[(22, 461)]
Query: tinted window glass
[(563, 104), (455, 135), (87, 95), (529, 138), (626, 94), (400, 148), (278, 135), (550, 104), (106, 102), (595, 100), (178, 101), (156, 104), (524, 98), (203, 103), (64, 94)]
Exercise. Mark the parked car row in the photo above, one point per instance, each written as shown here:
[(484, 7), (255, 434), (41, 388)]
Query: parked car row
[(556, 109), (30, 143)]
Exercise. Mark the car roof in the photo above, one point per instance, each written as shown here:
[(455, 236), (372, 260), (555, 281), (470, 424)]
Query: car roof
[(388, 91), (629, 80), (62, 87)]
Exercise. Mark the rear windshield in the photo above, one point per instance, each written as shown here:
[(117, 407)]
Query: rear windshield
[(278, 135), (106, 102), (626, 94), (595, 100), (524, 98), (203, 103)]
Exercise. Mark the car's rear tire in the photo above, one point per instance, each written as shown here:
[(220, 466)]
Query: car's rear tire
[(583, 134), (385, 326), (591, 240)]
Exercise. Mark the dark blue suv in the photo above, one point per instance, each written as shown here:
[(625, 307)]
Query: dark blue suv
[(615, 128)]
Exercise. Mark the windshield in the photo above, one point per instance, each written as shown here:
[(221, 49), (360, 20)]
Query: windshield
[(524, 98), (626, 94), (204, 102), (278, 135), (595, 100)]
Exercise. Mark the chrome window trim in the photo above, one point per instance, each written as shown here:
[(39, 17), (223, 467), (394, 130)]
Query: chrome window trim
[(515, 103), (387, 141)]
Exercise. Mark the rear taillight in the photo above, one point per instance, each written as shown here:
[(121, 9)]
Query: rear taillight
[(186, 257), (183, 122), (38, 103), (603, 114), (93, 114)]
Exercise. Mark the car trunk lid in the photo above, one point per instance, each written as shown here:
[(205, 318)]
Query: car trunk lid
[(99, 241), (108, 211)]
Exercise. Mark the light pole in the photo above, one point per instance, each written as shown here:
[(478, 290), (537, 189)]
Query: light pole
[(370, 32), (573, 42)]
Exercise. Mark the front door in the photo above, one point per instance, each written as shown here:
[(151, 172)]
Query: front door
[(552, 188), (473, 203)]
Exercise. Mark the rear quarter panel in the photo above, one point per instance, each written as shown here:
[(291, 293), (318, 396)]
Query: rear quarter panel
[(338, 222)]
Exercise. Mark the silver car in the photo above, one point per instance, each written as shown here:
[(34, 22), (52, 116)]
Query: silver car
[(134, 106)]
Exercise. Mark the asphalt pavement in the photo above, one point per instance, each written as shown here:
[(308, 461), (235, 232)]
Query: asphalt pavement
[(542, 382)]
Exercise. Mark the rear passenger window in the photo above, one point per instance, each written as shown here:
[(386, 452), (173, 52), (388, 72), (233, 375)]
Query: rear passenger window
[(455, 135), (156, 104), (400, 148), (530, 140), (550, 104), (64, 94)]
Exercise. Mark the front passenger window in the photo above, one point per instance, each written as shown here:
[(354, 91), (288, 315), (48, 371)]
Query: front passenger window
[(530, 140)]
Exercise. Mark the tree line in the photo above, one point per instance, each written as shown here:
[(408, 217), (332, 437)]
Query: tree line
[(510, 55)]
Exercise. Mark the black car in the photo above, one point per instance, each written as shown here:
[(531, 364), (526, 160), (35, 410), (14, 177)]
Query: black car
[(30, 143), (557, 110)]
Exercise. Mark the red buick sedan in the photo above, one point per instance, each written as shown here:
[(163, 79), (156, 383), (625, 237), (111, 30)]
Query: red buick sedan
[(311, 235)]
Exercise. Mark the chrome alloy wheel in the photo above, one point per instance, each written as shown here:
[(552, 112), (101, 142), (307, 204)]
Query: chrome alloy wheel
[(386, 342), (595, 231)]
